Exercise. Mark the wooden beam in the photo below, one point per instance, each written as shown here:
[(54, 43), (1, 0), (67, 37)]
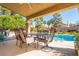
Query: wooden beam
[(53, 9)]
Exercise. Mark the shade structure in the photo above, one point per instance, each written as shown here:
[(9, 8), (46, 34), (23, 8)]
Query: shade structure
[(31, 10)]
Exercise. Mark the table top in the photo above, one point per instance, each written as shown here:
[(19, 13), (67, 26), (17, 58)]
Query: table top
[(38, 34)]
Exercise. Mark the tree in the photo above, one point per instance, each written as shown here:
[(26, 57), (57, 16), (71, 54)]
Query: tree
[(77, 24), (11, 22), (20, 24), (55, 21), (4, 11), (19, 21), (39, 23), (72, 25)]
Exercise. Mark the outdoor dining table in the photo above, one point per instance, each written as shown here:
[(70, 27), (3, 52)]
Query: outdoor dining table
[(36, 37)]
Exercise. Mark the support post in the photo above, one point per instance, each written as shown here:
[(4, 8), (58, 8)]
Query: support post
[(28, 24)]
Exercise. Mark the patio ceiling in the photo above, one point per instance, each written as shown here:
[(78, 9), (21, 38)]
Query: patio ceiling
[(32, 10)]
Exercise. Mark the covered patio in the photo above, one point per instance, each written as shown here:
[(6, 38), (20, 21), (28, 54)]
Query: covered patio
[(58, 49), (33, 10)]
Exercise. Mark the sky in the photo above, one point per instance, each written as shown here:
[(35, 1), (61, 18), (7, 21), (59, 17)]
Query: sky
[(70, 16)]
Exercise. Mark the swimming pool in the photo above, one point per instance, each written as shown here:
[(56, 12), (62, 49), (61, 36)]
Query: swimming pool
[(63, 37)]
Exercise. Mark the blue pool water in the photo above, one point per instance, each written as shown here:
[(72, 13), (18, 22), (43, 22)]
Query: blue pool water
[(63, 37)]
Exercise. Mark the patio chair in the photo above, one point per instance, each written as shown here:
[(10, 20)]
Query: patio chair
[(40, 38), (30, 40)]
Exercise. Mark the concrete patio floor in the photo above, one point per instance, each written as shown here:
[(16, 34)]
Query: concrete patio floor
[(59, 49)]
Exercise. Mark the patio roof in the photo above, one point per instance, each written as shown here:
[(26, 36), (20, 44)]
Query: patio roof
[(31, 10)]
